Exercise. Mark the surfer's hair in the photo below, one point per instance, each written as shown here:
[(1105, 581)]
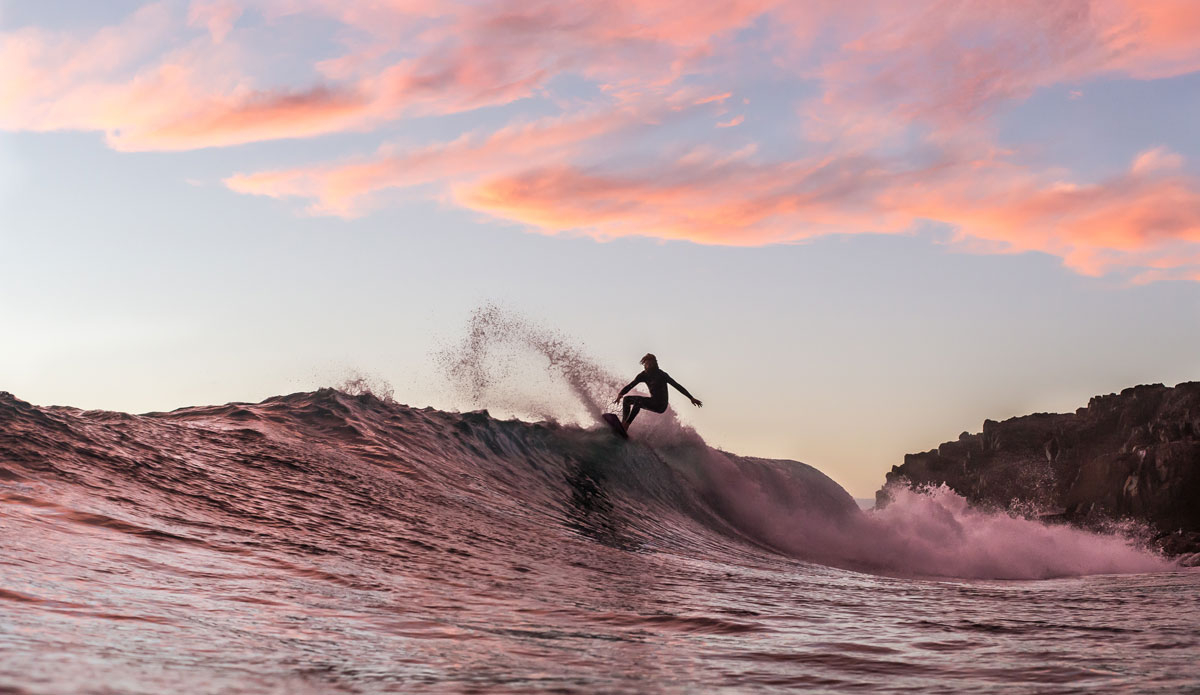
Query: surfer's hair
[(650, 361)]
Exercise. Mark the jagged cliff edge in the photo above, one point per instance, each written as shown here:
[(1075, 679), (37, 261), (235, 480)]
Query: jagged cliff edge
[(1127, 457)]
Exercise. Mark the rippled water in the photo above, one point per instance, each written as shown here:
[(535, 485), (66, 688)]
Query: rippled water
[(328, 543)]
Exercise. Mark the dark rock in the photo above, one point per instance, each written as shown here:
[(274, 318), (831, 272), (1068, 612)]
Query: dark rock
[(1128, 456)]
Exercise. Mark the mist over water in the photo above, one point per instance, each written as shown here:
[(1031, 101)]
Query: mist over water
[(337, 541)]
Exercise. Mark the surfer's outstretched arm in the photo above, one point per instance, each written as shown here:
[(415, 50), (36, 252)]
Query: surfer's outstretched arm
[(695, 401), (640, 378)]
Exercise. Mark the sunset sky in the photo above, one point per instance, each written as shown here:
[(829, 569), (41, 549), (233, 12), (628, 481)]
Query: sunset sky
[(855, 229)]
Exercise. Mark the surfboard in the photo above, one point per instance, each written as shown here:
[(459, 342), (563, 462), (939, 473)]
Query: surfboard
[(615, 423)]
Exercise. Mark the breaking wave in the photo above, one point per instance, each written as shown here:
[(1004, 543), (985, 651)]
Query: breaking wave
[(381, 485)]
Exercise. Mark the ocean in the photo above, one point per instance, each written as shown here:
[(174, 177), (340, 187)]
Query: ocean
[(325, 542)]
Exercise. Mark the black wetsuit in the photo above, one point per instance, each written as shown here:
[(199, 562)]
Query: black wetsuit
[(656, 380)]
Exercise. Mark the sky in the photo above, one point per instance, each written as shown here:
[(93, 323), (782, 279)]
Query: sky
[(854, 229)]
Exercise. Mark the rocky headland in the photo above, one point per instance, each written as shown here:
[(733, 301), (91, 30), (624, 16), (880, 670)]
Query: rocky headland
[(1132, 457)]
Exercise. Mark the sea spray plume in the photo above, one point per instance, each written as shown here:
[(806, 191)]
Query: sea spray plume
[(795, 509), (484, 366), (502, 350), (356, 383), (936, 532)]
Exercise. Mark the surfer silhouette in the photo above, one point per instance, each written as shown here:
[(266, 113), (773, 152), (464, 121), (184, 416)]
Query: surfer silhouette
[(656, 380)]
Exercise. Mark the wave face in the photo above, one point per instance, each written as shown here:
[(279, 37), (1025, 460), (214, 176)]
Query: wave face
[(353, 534), (326, 471)]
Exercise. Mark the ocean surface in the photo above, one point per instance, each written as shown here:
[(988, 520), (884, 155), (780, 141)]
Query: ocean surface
[(333, 543)]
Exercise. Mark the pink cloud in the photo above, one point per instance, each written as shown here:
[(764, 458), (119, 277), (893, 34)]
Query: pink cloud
[(1150, 39), (173, 107), (466, 57), (218, 16), (1146, 218), (900, 129), (248, 117), (937, 61), (185, 99), (950, 64), (343, 189), (703, 196), (943, 62), (41, 65), (1156, 159)]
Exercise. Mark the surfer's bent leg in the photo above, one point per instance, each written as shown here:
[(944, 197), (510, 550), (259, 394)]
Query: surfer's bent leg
[(630, 407)]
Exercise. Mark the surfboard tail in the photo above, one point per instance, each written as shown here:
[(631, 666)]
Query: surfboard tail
[(615, 423)]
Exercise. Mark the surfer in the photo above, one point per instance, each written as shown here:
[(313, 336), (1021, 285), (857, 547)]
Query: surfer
[(656, 380)]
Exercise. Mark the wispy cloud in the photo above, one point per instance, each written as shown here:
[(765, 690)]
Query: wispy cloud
[(343, 188), (896, 124)]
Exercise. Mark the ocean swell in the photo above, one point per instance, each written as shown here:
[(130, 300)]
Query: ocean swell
[(329, 481)]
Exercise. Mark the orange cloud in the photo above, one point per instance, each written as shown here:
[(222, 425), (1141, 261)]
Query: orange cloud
[(459, 57), (900, 129), (951, 63), (249, 117), (1150, 40), (1147, 218), (703, 197), (61, 82), (39, 66), (943, 61), (167, 110), (343, 189)]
